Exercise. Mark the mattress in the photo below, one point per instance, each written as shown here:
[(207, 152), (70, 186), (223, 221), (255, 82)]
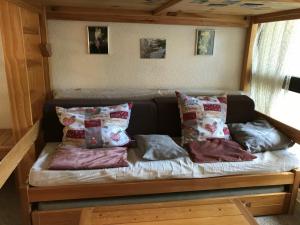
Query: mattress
[(180, 168)]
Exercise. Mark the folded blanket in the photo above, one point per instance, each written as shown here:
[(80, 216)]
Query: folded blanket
[(75, 158), (218, 150)]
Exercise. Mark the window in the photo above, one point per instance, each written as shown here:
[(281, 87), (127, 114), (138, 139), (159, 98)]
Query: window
[(277, 55)]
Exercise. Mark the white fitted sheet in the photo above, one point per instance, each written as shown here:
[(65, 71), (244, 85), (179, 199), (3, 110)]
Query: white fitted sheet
[(180, 168)]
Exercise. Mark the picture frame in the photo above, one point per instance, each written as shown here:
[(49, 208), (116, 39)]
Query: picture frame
[(98, 40), (205, 39), (153, 48)]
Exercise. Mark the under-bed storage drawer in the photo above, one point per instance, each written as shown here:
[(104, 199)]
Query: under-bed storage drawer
[(267, 204), (261, 204)]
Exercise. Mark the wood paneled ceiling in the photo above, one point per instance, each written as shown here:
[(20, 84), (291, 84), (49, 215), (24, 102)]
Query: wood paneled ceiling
[(231, 7), (147, 5), (236, 13), (234, 7)]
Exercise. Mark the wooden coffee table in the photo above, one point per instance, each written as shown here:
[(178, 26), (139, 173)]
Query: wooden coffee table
[(231, 212)]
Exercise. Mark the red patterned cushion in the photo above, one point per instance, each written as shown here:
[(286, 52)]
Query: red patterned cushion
[(95, 127), (202, 117)]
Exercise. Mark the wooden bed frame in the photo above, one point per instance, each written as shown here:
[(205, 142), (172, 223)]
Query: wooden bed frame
[(258, 204), (24, 21)]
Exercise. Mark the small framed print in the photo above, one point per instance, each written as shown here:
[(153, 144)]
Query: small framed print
[(98, 40), (153, 48), (205, 42)]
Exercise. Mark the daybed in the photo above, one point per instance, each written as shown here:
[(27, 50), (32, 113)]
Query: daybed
[(267, 185)]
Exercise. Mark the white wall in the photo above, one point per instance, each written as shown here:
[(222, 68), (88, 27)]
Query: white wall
[(73, 67), (5, 119)]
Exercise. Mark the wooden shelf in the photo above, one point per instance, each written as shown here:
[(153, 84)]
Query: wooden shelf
[(6, 141)]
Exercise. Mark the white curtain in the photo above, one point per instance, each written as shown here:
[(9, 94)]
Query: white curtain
[(269, 55), (286, 108)]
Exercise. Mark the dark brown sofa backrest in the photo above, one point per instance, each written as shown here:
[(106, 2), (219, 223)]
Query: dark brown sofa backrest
[(155, 116)]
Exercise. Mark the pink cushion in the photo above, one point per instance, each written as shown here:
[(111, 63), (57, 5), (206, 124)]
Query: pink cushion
[(218, 150), (75, 158)]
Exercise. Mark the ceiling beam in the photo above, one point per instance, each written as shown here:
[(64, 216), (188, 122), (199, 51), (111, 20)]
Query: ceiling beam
[(164, 7), (137, 16), (292, 14)]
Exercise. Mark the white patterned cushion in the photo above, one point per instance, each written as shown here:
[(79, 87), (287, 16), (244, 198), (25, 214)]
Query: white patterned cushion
[(95, 127), (202, 117)]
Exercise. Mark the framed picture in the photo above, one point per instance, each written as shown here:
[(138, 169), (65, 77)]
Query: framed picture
[(205, 42), (97, 40), (151, 48)]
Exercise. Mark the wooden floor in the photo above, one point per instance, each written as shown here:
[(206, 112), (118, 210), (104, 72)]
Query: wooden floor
[(279, 220), (9, 204), (6, 142)]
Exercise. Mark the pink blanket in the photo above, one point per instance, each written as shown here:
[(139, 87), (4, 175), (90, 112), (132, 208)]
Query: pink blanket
[(74, 158), (218, 150)]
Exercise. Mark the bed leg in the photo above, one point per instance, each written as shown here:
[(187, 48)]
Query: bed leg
[(25, 206), (35, 218), (294, 190), (22, 174)]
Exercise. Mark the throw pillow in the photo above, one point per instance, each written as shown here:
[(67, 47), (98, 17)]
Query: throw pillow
[(159, 147), (95, 127), (202, 117), (259, 136)]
